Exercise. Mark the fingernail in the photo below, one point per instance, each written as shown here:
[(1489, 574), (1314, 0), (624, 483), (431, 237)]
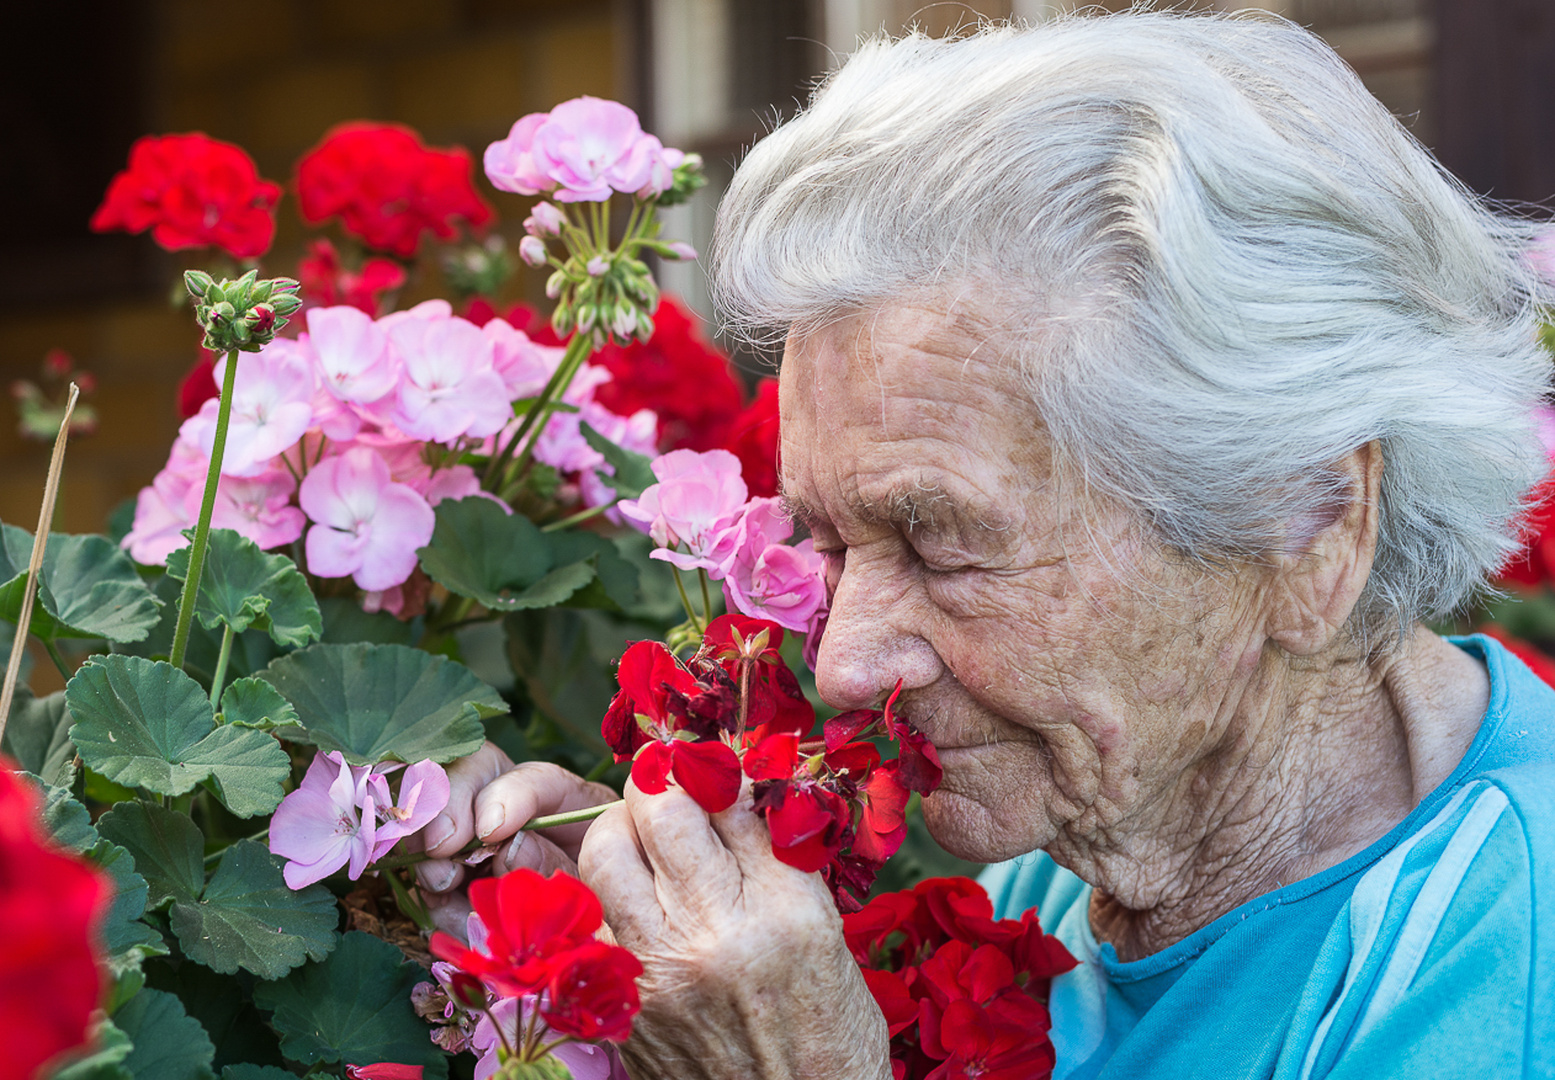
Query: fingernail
[(436, 876), (514, 847), (490, 820), (440, 829)]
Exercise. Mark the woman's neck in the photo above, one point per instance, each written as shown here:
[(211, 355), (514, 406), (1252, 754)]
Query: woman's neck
[(1324, 757)]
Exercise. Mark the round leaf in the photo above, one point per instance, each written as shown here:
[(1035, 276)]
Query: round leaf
[(169, 1044), (374, 702), (480, 551), (241, 586), (87, 588), (353, 1007)]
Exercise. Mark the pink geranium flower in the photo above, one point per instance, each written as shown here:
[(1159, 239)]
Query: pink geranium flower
[(525, 366), (258, 507), (345, 815), (271, 408), (583, 150), (161, 510), (768, 579), (322, 826), (368, 526), (450, 386), (696, 502), (350, 354)]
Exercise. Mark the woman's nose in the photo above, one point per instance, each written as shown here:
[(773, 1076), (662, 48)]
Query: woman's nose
[(872, 639)]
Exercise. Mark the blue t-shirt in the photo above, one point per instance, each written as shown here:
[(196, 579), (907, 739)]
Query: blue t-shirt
[(1429, 954)]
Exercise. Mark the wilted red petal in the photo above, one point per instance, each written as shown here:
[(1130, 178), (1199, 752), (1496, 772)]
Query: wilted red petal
[(384, 1070), (708, 771), (651, 769), (807, 829), (845, 727), (593, 992), (646, 669)]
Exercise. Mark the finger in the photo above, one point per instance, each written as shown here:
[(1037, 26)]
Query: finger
[(455, 826), (439, 875), (530, 790), (531, 851), (612, 864), (745, 834), (690, 864), (450, 913)]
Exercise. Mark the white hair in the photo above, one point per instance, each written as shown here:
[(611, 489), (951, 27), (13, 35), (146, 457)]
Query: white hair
[(1222, 263)]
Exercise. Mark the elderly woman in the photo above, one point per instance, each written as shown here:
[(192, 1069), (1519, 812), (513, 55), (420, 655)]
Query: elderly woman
[(1148, 388)]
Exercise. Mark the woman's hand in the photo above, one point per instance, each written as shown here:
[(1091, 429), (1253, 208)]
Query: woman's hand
[(490, 798), (746, 973)]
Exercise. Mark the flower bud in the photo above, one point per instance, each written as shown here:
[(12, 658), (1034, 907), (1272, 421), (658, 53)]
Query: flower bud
[(555, 284), (644, 325), (198, 283), (588, 314), (561, 320), (466, 990), (598, 266), (682, 250), (531, 249), (261, 319), (623, 322), (545, 220)]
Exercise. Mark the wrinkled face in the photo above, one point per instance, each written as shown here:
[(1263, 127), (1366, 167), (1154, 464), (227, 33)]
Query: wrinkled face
[(1070, 674)]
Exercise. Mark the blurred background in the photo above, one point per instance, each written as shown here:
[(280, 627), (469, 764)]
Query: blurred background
[(1473, 79)]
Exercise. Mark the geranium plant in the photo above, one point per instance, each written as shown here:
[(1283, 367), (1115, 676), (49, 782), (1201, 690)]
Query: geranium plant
[(383, 536)]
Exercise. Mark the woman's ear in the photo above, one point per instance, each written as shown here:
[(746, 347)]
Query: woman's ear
[(1319, 577)]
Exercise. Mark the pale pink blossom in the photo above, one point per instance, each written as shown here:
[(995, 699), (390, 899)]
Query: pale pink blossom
[(583, 150), (545, 220), (697, 501), (161, 513), (768, 579), (323, 826), (427, 309), (368, 526), (450, 386), (272, 406), (510, 164), (423, 793), (525, 366), (638, 433), (561, 444), (351, 355), (258, 507)]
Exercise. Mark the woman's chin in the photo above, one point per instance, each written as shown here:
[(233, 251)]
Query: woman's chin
[(969, 830)]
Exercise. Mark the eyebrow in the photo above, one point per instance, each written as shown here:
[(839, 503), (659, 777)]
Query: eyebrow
[(906, 506)]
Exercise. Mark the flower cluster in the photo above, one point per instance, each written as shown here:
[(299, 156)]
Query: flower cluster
[(536, 976), (41, 408), (700, 517), (582, 151), (52, 906), (346, 815), (357, 425), (192, 191), (832, 805), (387, 188), (964, 995)]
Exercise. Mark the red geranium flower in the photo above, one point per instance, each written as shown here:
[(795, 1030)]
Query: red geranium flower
[(326, 282), (593, 993), (52, 906), (388, 188), (192, 191), (753, 438), (529, 920)]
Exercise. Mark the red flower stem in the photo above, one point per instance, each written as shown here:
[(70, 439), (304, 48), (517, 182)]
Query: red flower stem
[(202, 529)]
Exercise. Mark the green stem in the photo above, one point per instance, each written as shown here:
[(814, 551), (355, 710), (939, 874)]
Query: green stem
[(580, 516), (549, 821), (202, 528), (554, 388), (601, 767), (578, 350), (221, 664), (53, 651), (707, 603), (685, 600)]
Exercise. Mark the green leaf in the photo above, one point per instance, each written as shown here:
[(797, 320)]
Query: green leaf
[(245, 917), (345, 623), (37, 735), (500, 559), (144, 723), (67, 819), (256, 1072), (615, 586), (87, 588), (373, 702), (633, 471), (224, 1007), (241, 586), (251, 651), (106, 1061), (167, 846), (255, 703), (169, 1044), (353, 1007), (248, 918)]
